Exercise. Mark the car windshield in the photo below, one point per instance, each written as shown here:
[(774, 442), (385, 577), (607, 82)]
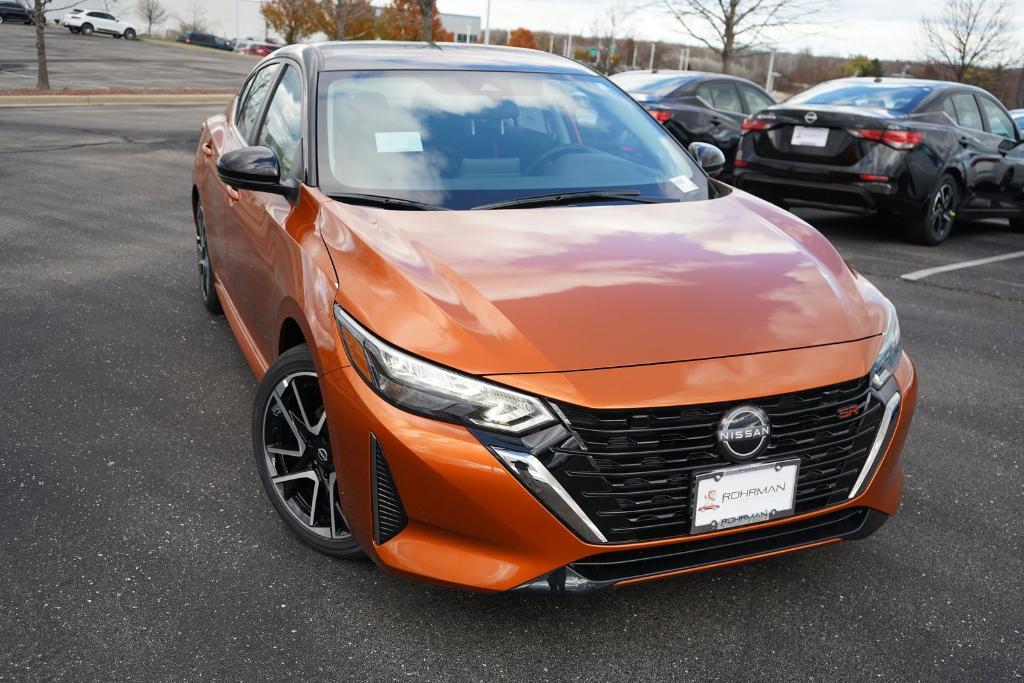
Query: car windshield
[(899, 99), (464, 139), (656, 85)]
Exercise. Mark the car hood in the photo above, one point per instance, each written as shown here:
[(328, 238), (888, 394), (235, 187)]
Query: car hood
[(572, 288)]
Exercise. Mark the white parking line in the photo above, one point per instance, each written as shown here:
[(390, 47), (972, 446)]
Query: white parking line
[(919, 274)]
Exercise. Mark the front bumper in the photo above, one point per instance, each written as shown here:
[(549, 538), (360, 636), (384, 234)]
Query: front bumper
[(471, 524)]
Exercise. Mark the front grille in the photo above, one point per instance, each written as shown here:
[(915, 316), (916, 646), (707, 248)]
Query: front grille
[(388, 512), (630, 564), (633, 476)]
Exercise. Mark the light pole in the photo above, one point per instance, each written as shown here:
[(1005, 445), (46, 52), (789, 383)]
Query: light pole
[(487, 24)]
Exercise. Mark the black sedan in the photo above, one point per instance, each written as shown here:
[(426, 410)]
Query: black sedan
[(696, 106), (923, 152), (14, 12)]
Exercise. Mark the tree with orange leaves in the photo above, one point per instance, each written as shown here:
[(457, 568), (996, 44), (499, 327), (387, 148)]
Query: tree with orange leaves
[(347, 19), (293, 19), (402, 20), (523, 37)]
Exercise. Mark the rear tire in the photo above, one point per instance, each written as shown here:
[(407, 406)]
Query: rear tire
[(206, 279), (293, 455), (86, 29), (1, 19), (128, 35), (1017, 223), (936, 223)]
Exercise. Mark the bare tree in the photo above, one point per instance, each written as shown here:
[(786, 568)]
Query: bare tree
[(152, 12), (427, 20), (39, 9), (195, 21), (734, 28), (612, 25), (968, 34)]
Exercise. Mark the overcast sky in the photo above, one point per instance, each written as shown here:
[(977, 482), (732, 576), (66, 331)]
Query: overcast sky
[(887, 29)]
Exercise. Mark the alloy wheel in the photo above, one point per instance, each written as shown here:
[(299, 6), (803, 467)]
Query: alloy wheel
[(942, 211), (297, 450), (203, 254)]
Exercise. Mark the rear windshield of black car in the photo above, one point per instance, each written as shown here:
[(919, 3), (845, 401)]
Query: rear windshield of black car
[(656, 85), (898, 99)]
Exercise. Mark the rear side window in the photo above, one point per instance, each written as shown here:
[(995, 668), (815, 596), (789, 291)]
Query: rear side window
[(967, 114), (947, 106), (282, 129), (721, 96), (998, 122), (754, 99), (256, 95)]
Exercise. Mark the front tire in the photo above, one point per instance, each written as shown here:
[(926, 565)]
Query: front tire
[(292, 448), (934, 226), (86, 29), (206, 279)]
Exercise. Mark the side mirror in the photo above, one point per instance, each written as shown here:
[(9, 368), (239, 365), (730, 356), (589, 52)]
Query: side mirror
[(708, 157), (256, 169)]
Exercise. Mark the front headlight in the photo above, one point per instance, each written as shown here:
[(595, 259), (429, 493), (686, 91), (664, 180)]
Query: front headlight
[(889, 355), (428, 389)]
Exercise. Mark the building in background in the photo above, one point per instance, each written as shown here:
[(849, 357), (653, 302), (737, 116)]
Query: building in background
[(465, 27)]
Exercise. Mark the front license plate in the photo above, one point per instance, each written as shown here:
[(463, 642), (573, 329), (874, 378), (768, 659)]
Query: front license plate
[(809, 137), (745, 494)]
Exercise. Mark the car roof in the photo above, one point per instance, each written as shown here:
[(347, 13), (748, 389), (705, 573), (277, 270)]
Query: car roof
[(908, 82), (668, 74), (388, 55)]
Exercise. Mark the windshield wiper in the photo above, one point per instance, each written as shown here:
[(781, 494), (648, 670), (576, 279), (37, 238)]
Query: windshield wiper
[(557, 198), (386, 202)]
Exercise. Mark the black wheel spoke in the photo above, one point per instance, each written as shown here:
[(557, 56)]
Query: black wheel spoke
[(297, 454)]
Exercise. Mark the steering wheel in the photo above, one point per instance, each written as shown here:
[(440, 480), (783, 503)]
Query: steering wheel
[(556, 152)]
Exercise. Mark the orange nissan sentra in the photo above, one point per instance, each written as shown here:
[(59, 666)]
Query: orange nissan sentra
[(510, 335)]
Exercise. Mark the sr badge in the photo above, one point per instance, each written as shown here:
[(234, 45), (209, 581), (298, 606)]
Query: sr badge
[(743, 433)]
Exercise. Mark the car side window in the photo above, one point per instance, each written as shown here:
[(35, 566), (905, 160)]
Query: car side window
[(754, 99), (967, 114), (999, 122), (259, 88), (721, 95), (281, 131), (947, 106)]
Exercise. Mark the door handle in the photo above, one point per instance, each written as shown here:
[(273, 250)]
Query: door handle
[(207, 149), (715, 121), (964, 141), (232, 193)]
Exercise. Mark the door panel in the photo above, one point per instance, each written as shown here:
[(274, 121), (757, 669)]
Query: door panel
[(262, 242), (981, 151), (1007, 190), (727, 115)]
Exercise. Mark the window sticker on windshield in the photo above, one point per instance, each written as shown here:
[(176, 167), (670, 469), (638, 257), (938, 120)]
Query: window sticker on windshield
[(684, 183), (398, 142)]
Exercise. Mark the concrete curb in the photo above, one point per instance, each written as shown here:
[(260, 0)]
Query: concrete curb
[(80, 100)]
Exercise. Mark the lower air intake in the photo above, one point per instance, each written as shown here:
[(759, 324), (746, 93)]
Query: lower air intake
[(388, 514)]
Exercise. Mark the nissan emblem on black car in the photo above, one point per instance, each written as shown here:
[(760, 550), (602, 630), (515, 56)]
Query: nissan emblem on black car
[(743, 433)]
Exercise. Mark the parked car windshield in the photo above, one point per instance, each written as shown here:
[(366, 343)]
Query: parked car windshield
[(462, 139), (899, 99)]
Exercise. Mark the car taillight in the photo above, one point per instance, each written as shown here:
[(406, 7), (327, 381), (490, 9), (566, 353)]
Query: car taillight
[(754, 125), (660, 114), (896, 138)]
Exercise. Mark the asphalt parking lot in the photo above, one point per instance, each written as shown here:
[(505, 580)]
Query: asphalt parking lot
[(103, 62), (137, 542)]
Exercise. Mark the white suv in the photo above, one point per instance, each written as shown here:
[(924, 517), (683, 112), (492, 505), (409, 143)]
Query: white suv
[(93, 21)]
